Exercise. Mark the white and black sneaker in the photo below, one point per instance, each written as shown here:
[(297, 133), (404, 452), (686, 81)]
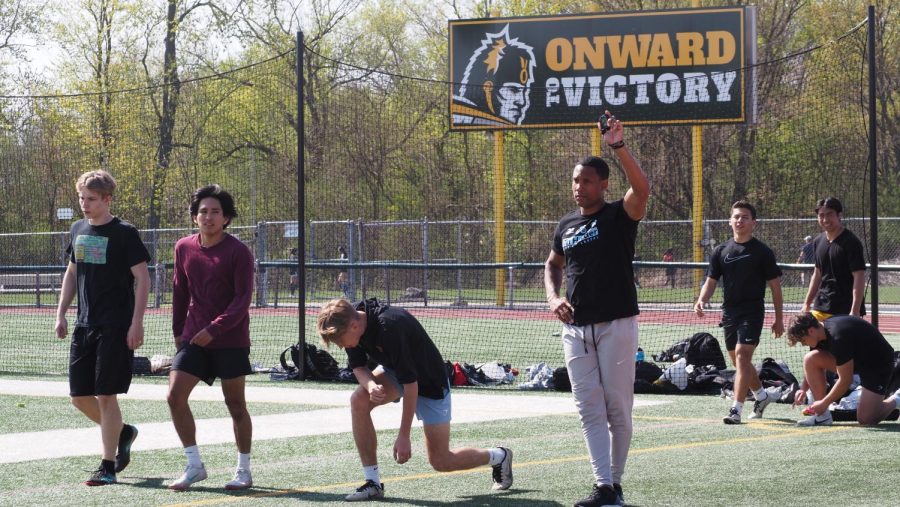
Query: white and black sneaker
[(733, 417), (760, 405), (502, 473), (368, 491), (817, 420)]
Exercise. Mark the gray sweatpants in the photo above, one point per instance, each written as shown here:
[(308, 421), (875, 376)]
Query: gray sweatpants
[(600, 360)]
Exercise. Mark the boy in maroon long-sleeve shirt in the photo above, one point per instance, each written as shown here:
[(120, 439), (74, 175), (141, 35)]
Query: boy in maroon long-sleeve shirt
[(212, 290)]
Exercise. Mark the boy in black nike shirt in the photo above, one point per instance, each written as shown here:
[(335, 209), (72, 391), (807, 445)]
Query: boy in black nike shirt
[(410, 370), (747, 266), (843, 344)]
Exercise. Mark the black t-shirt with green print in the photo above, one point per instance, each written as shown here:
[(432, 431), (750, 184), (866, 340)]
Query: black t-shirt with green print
[(103, 256)]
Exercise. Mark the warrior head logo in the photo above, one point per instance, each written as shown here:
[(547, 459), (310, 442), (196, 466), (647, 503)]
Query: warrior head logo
[(497, 81)]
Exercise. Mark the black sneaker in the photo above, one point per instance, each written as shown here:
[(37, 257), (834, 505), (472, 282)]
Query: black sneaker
[(126, 438), (601, 496), (101, 477), (619, 494)]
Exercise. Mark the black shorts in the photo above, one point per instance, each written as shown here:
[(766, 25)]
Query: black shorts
[(741, 329), (207, 364), (100, 361), (876, 379)]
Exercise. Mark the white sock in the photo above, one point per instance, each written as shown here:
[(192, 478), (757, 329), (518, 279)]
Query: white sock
[(193, 456), (496, 456), (825, 416), (244, 460), (738, 406), (897, 400), (371, 474), (760, 394)]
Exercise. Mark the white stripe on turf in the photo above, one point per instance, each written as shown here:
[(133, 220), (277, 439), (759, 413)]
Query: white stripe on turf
[(467, 407)]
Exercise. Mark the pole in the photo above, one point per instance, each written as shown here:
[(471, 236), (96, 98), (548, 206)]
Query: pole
[(499, 216), (301, 205), (873, 170), (697, 210)]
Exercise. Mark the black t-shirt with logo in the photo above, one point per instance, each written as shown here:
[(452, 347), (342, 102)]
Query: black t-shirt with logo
[(103, 257), (599, 249), (850, 337), (837, 260), (395, 339), (746, 269)]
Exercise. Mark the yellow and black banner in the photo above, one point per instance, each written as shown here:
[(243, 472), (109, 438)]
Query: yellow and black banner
[(690, 66)]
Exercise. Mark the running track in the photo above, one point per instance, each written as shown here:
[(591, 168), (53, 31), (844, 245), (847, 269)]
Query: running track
[(888, 322)]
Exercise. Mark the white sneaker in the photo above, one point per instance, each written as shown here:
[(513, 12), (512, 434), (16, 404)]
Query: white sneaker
[(242, 480), (191, 475), (502, 473), (368, 491), (814, 420), (760, 405)]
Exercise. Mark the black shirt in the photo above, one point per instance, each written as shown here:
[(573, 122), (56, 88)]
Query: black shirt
[(746, 267), (599, 249), (396, 340), (837, 260), (103, 257), (850, 337)]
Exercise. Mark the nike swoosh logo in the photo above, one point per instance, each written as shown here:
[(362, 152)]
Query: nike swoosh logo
[(729, 260)]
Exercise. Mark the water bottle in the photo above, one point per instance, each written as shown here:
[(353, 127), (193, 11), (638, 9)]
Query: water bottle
[(640, 355)]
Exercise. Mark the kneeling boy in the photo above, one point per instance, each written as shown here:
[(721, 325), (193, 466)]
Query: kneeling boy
[(410, 367)]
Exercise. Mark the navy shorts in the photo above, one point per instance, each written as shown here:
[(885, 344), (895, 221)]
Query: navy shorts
[(741, 329), (100, 362), (876, 379), (208, 364)]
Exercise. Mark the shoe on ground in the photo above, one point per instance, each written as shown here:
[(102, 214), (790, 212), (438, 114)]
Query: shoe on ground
[(101, 477), (733, 417), (601, 496), (190, 476), (760, 406), (814, 420), (620, 495), (242, 480), (126, 438), (368, 491), (502, 473)]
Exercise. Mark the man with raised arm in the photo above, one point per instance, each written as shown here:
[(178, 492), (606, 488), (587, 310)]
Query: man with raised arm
[(594, 246)]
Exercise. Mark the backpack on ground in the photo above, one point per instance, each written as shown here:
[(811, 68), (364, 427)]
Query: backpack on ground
[(700, 349), (703, 349), (775, 373), (317, 364)]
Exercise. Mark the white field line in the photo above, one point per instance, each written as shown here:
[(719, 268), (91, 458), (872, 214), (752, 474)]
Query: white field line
[(467, 408)]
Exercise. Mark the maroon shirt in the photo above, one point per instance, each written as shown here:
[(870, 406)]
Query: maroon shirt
[(212, 289)]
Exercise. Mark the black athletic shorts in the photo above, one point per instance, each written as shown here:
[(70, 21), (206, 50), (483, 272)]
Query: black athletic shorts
[(743, 329), (207, 364), (876, 379), (100, 361)]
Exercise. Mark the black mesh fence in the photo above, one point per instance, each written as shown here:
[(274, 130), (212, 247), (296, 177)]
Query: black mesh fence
[(400, 208)]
